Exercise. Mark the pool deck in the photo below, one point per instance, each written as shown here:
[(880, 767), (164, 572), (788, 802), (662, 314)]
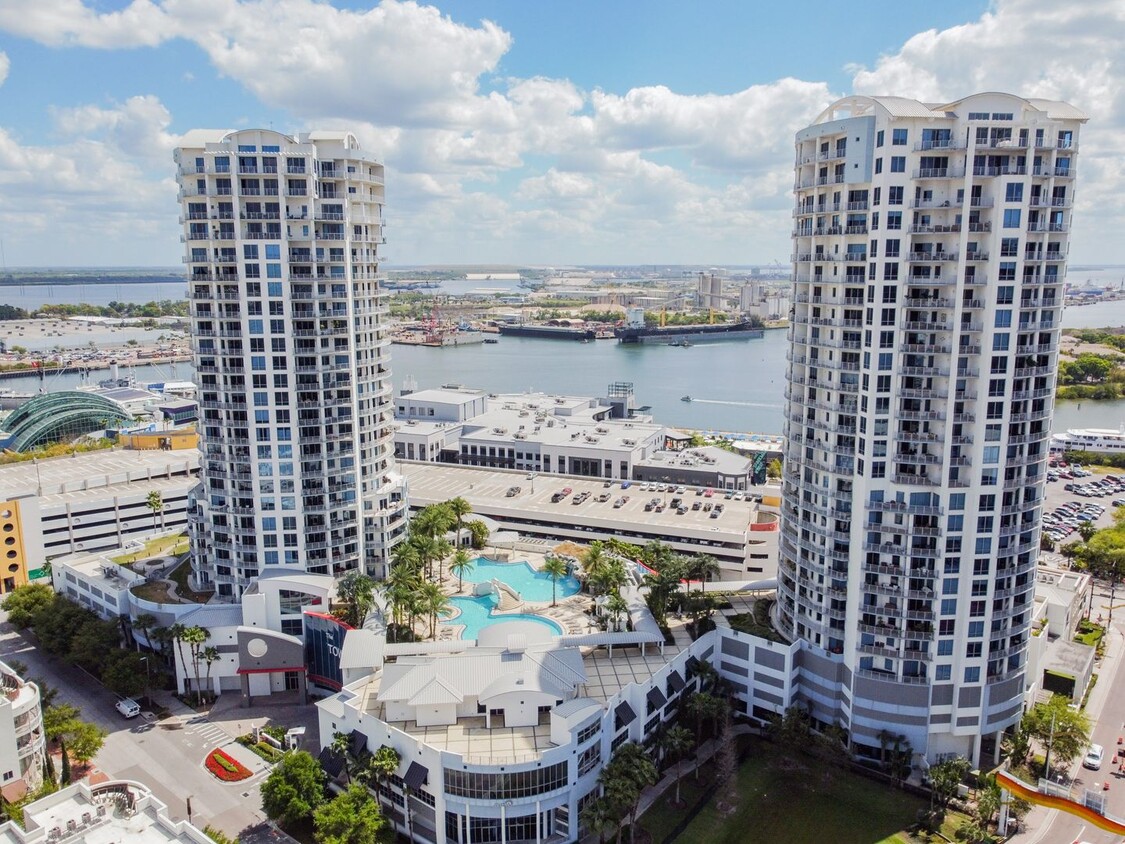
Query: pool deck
[(606, 675)]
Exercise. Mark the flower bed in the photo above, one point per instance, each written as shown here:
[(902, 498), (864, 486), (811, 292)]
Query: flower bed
[(225, 768)]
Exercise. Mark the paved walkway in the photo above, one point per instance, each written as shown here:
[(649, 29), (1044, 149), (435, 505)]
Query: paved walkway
[(681, 769)]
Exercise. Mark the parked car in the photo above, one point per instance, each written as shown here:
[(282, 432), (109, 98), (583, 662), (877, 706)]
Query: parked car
[(1093, 759), (128, 707)]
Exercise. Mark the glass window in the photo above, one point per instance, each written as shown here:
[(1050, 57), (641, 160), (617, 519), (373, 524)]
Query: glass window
[(972, 674), (1014, 192), (273, 252), (1011, 218), (273, 270), (898, 137), (943, 672), (898, 163), (879, 136), (250, 252)]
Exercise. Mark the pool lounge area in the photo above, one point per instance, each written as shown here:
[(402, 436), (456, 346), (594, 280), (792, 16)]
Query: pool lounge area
[(531, 584)]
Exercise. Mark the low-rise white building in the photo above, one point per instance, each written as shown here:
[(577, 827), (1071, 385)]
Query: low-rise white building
[(578, 436), (503, 739), (22, 740), (112, 811)]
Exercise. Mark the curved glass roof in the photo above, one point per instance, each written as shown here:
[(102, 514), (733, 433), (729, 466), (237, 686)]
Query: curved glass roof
[(61, 417)]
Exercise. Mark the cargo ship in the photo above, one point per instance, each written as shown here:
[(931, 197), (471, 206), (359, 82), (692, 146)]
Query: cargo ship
[(634, 330), (548, 332)]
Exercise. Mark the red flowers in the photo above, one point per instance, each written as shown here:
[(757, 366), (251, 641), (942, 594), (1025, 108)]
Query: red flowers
[(225, 768)]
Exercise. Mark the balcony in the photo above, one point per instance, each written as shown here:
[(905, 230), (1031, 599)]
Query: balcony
[(939, 173), (930, 257), (945, 143)]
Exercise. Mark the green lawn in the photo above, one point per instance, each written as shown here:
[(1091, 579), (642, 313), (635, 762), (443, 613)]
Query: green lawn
[(791, 800)]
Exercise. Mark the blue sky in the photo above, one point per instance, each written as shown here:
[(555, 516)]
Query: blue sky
[(513, 131)]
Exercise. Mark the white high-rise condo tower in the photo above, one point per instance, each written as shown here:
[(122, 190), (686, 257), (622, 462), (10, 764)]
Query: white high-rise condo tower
[(930, 243), (281, 242)]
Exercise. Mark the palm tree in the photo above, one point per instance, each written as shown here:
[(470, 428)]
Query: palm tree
[(616, 607), (460, 565), (144, 622), (383, 764), (175, 633), (434, 602), (400, 586), (459, 508), (601, 817), (704, 567), (675, 743), (341, 744), (556, 569), (155, 502), (630, 772), (195, 637), (210, 655)]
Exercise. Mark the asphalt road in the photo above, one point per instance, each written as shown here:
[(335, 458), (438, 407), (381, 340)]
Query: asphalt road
[(1063, 828), (168, 761)]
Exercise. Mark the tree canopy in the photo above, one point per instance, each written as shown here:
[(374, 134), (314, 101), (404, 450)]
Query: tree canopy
[(294, 789), (24, 603), (349, 818)]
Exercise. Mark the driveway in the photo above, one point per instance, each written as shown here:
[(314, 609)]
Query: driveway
[(169, 761)]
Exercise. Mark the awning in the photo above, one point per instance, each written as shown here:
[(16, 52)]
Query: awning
[(331, 761), (416, 774), (656, 698), (624, 714), (692, 666), (676, 681), (357, 744)]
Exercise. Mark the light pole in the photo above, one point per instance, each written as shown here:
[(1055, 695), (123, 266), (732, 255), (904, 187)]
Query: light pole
[(144, 659)]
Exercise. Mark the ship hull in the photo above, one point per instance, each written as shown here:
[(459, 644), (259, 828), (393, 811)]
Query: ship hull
[(692, 334), (547, 332)]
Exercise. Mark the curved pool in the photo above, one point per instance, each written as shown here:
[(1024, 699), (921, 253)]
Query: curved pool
[(531, 584), (476, 613)]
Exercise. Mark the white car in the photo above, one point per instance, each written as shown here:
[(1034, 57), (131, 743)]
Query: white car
[(128, 707), (1093, 759)]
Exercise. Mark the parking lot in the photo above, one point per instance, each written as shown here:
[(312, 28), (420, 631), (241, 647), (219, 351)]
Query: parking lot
[(1084, 496)]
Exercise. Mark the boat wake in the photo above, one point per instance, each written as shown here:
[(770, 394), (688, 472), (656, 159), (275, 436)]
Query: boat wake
[(738, 403)]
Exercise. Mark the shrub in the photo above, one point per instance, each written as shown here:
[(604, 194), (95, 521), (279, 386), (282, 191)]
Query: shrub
[(225, 768)]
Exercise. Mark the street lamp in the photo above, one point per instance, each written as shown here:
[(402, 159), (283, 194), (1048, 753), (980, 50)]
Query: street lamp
[(144, 659)]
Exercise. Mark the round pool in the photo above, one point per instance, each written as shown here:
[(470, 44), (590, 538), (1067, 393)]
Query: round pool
[(476, 614)]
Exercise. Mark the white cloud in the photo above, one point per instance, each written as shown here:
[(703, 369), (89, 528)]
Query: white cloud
[(102, 195), (483, 167), (1037, 48), (5, 65), (72, 23)]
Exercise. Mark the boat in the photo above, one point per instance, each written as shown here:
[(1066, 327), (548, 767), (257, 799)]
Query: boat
[(685, 398), (634, 330), (547, 332), (1105, 440)]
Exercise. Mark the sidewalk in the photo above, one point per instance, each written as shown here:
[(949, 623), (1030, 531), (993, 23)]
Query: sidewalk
[(1037, 824)]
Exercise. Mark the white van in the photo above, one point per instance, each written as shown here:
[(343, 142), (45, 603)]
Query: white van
[(128, 707)]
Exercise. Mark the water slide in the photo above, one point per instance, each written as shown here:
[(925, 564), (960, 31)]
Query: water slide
[(1057, 801), (508, 598)]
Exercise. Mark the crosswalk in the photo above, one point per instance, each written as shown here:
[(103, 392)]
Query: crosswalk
[(207, 731)]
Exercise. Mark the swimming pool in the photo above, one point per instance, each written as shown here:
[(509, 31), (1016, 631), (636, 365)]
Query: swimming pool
[(531, 584), (476, 613)]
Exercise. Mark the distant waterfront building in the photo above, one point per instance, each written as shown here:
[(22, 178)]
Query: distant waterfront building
[(930, 243), (281, 241)]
